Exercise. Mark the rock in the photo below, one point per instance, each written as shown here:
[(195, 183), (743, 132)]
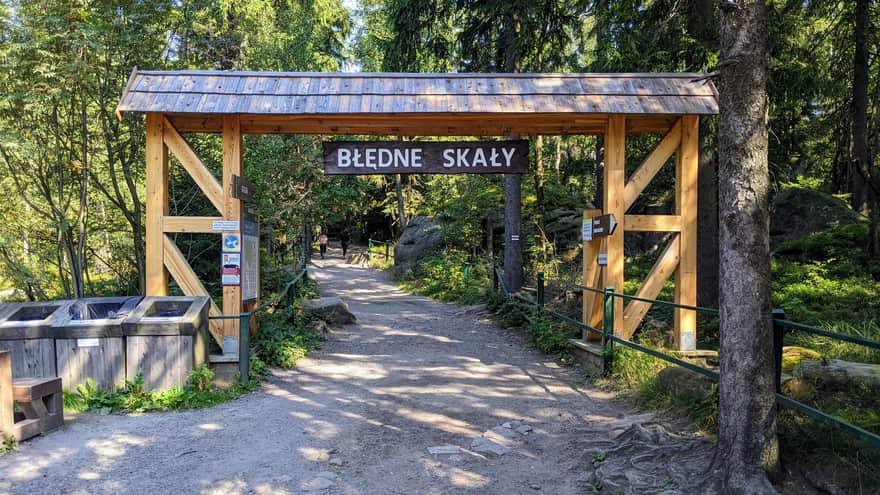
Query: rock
[(485, 446), (798, 212), (422, 237), (323, 481), (335, 461), (799, 389), (839, 373), (684, 383), (321, 328), (444, 450), (534, 486), (332, 310), (455, 458), (524, 430)]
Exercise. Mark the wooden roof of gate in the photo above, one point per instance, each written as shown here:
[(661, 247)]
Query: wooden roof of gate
[(418, 104)]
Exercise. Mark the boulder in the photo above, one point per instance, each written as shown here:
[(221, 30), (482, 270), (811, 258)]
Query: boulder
[(683, 383), (837, 373), (333, 310), (798, 212), (422, 237)]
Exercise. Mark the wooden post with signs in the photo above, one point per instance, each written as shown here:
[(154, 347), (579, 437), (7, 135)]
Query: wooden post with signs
[(232, 210), (591, 313), (614, 203)]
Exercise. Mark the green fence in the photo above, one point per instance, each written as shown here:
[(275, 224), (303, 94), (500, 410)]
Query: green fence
[(288, 294), (371, 243), (780, 326)]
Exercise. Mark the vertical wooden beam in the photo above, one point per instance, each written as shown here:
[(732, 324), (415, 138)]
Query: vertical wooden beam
[(686, 169), (591, 269), (614, 202), (156, 205), (7, 409), (232, 150)]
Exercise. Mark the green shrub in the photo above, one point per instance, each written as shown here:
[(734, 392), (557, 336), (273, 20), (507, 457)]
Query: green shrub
[(284, 338), (443, 277), (131, 396), (548, 335)]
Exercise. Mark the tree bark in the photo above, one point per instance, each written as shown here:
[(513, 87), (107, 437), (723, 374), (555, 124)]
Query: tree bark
[(861, 157), (513, 257), (747, 444), (401, 210)]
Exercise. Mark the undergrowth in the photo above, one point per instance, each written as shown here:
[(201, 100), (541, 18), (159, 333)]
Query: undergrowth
[(443, 277), (284, 337), (132, 397)]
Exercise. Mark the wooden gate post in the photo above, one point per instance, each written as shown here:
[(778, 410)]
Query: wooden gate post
[(614, 203), (232, 150), (156, 205), (686, 170)]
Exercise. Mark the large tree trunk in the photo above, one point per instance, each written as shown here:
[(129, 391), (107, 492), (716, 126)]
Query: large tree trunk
[(747, 444), (401, 210), (861, 158), (513, 258)]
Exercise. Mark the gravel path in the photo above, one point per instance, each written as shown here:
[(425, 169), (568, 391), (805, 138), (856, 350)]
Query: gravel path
[(359, 416)]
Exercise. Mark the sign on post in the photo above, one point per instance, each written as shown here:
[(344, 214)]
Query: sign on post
[(250, 251), (397, 157), (600, 226), (242, 189), (230, 271)]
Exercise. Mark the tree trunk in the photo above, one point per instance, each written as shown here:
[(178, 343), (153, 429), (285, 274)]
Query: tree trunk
[(861, 158), (513, 257), (600, 172), (401, 211), (747, 444)]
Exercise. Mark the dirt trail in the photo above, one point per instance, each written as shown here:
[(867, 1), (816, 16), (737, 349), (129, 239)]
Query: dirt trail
[(359, 416)]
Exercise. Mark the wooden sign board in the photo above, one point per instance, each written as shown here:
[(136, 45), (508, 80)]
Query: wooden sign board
[(604, 225), (397, 157), (242, 188)]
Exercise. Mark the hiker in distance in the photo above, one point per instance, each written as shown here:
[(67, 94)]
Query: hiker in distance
[(322, 243), (345, 241)]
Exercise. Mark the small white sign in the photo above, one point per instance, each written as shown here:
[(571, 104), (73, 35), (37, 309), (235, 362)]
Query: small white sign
[(230, 346), (587, 232), (603, 259), (514, 237), (221, 225), (88, 342)]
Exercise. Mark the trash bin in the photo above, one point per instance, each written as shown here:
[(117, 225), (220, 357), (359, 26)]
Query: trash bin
[(165, 338), (26, 331), (89, 341)]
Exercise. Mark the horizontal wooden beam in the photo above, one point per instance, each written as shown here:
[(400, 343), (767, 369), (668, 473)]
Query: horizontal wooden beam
[(190, 284), (652, 223), (640, 179), (193, 164), (425, 124), (190, 225)]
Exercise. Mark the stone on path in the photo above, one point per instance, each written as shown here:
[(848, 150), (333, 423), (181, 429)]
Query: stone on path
[(485, 446), (444, 450), (524, 429), (323, 481), (333, 310)]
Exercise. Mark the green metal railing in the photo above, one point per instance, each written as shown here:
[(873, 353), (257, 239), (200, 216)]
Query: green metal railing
[(244, 334), (780, 326), (372, 242)]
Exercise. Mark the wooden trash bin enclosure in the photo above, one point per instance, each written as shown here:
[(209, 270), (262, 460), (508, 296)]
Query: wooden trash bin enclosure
[(89, 342), (165, 338), (40, 400), (26, 331)]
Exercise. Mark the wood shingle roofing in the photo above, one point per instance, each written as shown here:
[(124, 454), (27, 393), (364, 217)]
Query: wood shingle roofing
[(213, 93)]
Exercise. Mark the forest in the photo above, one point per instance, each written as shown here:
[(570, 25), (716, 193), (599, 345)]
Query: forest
[(72, 172)]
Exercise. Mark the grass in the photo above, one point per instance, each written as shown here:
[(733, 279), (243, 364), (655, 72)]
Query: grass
[(132, 397), (284, 338)]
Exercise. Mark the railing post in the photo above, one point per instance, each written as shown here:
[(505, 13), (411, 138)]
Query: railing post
[(467, 273), (608, 331), (494, 279), (244, 337), (386, 252), (778, 336), (291, 294), (541, 290), (370, 249)]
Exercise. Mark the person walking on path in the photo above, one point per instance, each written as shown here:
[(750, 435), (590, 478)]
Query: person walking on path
[(345, 240), (322, 243)]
